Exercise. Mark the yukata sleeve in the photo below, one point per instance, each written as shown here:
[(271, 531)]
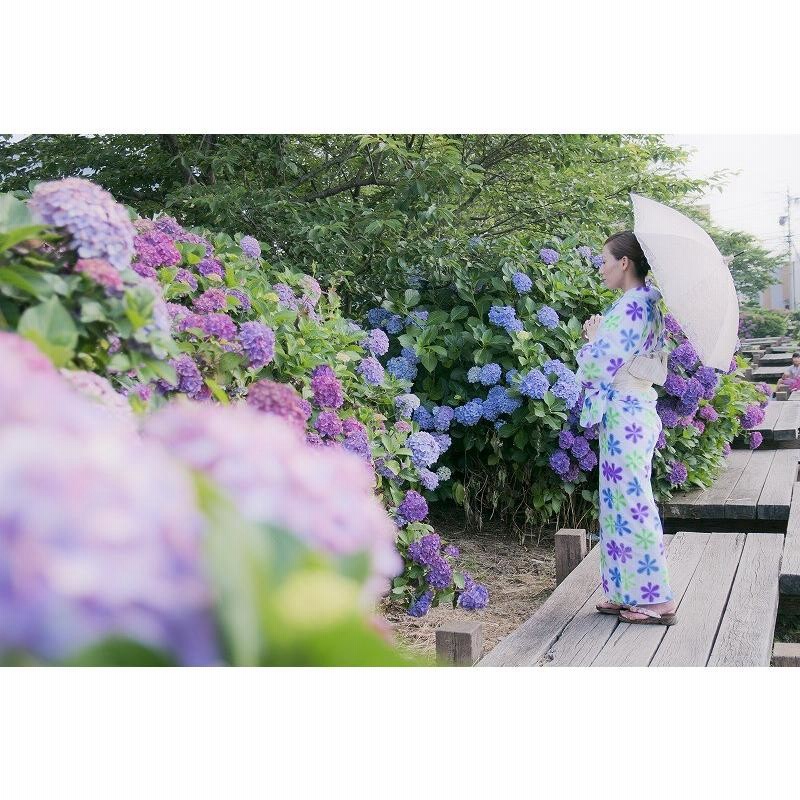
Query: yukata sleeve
[(626, 331)]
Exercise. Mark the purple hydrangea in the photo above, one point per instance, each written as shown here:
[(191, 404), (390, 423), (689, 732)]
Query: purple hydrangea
[(490, 374), (572, 474), (184, 276), (726, 449), (565, 440), (504, 402), (522, 283), (211, 300), (190, 382), (430, 480), (311, 289), (250, 247), (584, 251), (218, 325), (699, 425), (371, 370), (424, 450), (424, 550), (210, 266), (470, 413), (442, 418), (474, 596), (279, 399), (548, 317), (414, 508), (101, 272), (97, 224), (559, 462), (677, 473), (170, 226), (402, 426), (409, 355), (440, 573), (406, 404), (401, 368), (155, 249), (193, 238), (597, 261), (358, 443), (377, 342), (753, 415), (534, 385), (580, 447), (244, 300), (549, 256), (685, 355), (588, 462), (669, 416), (675, 385), (671, 324), (505, 317), (443, 442), (258, 342), (661, 442), (566, 390), (326, 387), (709, 413), (145, 270), (421, 606), (707, 377), (351, 425), (329, 424)]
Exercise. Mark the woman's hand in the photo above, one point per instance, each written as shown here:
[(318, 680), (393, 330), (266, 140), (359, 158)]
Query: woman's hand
[(591, 326)]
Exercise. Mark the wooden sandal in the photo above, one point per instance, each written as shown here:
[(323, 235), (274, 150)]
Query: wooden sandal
[(652, 617)]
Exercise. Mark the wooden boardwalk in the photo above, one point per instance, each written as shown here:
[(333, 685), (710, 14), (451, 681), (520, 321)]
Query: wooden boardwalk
[(754, 492), (726, 586), (779, 427)]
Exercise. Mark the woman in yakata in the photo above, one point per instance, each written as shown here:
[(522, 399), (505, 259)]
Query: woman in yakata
[(633, 565)]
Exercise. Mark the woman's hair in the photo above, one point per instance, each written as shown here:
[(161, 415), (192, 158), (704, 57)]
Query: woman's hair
[(625, 243)]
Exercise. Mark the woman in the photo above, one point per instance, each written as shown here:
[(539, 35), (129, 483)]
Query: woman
[(632, 562)]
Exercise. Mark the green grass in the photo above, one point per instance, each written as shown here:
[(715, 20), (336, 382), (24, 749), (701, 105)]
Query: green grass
[(787, 627)]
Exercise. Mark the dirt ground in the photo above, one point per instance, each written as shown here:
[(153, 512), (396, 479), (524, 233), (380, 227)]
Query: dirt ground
[(519, 578)]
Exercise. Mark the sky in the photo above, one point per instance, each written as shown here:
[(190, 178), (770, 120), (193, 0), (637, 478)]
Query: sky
[(753, 200)]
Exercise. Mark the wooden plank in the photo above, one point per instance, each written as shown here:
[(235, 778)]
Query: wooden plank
[(780, 359), (776, 496), (788, 421), (789, 581), (786, 654), (709, 503), (794, 396), (635, 645), (748, 625), (743, 500), (528, 643), (587, 633), (689, 643), (771, 414), (766, 374)]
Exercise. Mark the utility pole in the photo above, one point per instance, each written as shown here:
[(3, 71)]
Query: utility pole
[(787, 220)]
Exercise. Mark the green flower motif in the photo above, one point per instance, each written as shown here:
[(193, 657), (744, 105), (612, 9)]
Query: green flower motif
[(645, 539), (617, 598), (635, 462), (591, 370), (612, 417), (628, 581), (612, 321), (603, 560), (608, 526), (618, 500)]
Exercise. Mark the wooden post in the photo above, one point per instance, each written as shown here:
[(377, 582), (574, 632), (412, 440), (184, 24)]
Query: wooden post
[(786, 654), (459, 643), (570, 551), (748, 372)]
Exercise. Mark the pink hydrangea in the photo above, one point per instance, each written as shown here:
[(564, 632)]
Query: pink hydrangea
[(100, 271), (281, 400), (107, 400), (155, 249)]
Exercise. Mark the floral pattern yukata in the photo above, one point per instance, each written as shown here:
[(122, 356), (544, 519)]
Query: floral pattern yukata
[(632, 562)]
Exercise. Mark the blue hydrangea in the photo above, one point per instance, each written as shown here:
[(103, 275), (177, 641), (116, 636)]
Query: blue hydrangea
[(430, 480), (534, 385), (409, 355), (470, 413), (597, 261), (522, 283), (375, 316), (474, 596), (585, 251), (394, 324), (555, 367), (502, 399), (567, 390), (510, 375), (371, 370), (490, 408), (421, 606), (505, 317), (423, 418), (490, 374), (406, 404), (417, 318), (442, 417), (549, 256), (474, 374), (548, 317), (559, 462), (443, 442), (443, 473), (424, 450), (401, 368), (440, 575), (474, 242)]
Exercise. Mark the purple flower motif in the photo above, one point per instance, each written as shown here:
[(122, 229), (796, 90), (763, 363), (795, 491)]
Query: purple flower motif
[(650, 592), (612, 472), (625, 553), (634, 311), (97, 224), (634, 432), (413, 508), (640, 512), (613, 549), (250, 247), (258, 342)]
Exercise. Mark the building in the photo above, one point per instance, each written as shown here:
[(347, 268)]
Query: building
[(779, 295)]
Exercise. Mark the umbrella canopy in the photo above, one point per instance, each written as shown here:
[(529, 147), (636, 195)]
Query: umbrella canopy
[(693, 278)]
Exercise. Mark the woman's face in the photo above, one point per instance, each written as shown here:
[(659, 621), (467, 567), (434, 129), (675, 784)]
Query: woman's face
[(611, 270)]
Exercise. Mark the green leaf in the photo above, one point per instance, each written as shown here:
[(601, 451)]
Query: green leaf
[(27, 280), (412, 297), (50, 327), (217, 391), (14, 214), (120, 652)]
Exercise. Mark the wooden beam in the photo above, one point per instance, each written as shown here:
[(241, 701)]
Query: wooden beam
[(571, 549), (459, 643), (786, 654)]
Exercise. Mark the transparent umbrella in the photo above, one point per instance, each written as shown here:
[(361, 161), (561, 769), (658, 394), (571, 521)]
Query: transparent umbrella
[(693, 277)]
